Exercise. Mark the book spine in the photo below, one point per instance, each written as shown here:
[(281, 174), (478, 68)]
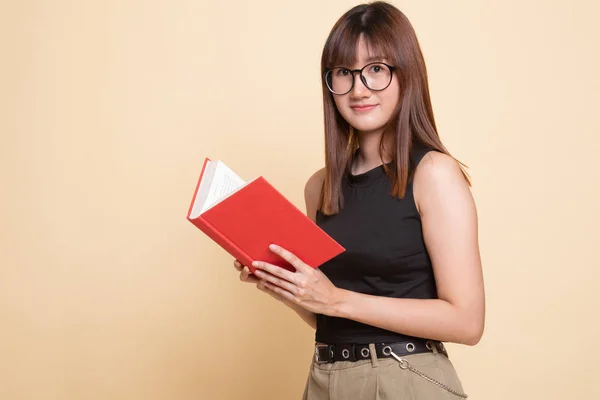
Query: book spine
[(204, 164), (223, 241)]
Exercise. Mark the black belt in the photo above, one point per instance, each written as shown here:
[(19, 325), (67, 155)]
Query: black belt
[(328, 353)]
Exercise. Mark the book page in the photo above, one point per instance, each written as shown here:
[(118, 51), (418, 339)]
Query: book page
[(224, 182), (203, 189)]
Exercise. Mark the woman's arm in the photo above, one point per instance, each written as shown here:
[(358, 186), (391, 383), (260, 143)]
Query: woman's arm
[(309, 317), (449, 221)]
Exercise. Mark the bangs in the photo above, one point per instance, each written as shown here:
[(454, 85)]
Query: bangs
[(343, 47)]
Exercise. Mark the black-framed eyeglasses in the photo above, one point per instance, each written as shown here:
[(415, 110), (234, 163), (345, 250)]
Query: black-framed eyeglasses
[(375, 76)]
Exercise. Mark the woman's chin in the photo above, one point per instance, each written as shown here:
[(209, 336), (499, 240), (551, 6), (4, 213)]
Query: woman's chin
[(367, 128)]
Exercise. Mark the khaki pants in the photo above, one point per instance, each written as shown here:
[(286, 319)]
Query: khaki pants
[(382, 379)]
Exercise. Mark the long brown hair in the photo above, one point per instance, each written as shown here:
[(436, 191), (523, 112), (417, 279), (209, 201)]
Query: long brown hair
[(389, 35)]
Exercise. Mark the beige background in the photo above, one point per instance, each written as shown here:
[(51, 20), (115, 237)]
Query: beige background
[(109, 107)]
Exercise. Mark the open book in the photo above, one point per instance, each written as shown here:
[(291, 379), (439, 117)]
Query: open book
[(245, 217), (216, 183)]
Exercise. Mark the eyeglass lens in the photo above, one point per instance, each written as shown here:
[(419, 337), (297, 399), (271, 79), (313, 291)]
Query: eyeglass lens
[(376, 77)]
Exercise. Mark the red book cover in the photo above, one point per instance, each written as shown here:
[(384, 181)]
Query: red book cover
[(255, 215)]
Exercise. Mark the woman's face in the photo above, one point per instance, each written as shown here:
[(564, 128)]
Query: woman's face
[(380, 104)]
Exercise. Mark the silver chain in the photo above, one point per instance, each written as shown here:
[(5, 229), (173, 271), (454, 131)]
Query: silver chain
[(405, 365)]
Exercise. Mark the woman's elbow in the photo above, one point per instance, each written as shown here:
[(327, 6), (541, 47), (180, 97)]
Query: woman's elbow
[(472, 331)]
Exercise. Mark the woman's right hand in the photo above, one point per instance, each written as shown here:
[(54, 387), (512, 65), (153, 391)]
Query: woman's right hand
[(245, 273), (245, 276)]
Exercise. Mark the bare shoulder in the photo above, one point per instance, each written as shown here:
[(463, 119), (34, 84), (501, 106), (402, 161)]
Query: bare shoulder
[(312, 192), (437, 175), (436, 165)]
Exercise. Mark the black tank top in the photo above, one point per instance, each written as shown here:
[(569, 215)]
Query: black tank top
[(385, 251)]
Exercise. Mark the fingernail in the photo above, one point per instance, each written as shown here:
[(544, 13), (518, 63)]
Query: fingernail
[(273, 247), (255, 263)]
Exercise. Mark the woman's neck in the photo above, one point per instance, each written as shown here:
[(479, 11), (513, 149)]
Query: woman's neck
[(368, 153)]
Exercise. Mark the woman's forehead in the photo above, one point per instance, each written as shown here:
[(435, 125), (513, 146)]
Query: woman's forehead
[(360, 54)]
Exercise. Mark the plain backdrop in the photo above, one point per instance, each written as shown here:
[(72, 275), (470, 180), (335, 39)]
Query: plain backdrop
[(108, 108)]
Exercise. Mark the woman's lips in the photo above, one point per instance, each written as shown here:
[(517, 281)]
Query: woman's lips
[(364, 108)]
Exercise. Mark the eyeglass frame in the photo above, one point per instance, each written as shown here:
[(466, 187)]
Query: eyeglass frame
[(362, 77)]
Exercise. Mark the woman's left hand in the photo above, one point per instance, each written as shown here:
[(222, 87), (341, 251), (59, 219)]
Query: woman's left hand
[(308, 287)]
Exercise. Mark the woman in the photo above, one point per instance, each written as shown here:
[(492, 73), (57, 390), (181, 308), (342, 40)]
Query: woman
[(392, 195)]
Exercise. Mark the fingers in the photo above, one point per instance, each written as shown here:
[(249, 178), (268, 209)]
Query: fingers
[(289, 257), (264, 269), (276, 280), (262, 279), (261, 286), (276, 291), (237, 265), (244, 272), (246, 277)]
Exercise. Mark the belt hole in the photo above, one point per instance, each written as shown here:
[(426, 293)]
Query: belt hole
[(387, 350), (410, 347), (345, 353), (429, 346), (365, 352)]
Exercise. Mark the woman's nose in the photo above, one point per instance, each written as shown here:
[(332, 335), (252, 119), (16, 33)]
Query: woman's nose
[(359, 89)]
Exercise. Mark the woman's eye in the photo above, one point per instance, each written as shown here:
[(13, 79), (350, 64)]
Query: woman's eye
[(343, 72), (376, 68)]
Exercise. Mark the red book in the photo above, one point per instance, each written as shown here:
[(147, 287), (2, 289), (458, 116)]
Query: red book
[(244, 218)]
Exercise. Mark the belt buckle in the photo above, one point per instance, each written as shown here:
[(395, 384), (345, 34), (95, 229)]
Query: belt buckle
[(317, 359)]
